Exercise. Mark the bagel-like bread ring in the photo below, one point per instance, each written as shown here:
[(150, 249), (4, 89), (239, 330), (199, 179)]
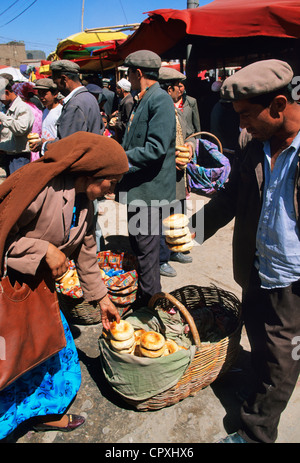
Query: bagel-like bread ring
[(183, 154), (176, 221), (152, 353), (152, 340), (182, 148), (176, 232), (33, 136), (125, 351), (171, 346), (181, 247), (122, 330), (183, 160), (180, 240), (121, 345), (138, 334)]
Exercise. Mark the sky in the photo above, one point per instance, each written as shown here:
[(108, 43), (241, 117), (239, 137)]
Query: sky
[(41, 24)]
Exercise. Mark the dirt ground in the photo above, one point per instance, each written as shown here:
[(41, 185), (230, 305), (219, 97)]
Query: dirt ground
[(203, 418)]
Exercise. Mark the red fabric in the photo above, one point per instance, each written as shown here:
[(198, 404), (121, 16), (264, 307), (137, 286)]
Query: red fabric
[(164, 28), (236, 18)]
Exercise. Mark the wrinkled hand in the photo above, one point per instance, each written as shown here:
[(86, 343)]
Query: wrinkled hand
[(109, 312), (56, 260), (36, 146)]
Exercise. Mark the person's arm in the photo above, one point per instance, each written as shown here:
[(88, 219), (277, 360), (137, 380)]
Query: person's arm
[(19, 125)]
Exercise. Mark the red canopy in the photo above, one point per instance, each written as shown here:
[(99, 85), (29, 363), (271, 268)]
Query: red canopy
[(220, 30), (237, 18)]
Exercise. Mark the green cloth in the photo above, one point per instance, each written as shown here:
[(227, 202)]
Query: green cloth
[(139, 378)]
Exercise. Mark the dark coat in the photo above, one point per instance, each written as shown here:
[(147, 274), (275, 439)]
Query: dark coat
[(242, 199), (150, 146)]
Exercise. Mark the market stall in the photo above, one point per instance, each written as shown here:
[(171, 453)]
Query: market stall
[(223, 32)]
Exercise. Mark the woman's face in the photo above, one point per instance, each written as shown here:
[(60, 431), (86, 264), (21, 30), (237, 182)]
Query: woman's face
[(97, 188)]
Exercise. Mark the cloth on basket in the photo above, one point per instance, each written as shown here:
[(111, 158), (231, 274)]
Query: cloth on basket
[(209, 169), (139, 378)]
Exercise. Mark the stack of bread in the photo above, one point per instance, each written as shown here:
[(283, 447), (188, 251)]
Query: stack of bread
[(125, 340), (178, 236), (183, 155), (33, 138), (122, 338)]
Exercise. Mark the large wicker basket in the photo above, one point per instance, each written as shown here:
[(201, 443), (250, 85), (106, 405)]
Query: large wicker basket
[(211, 360)]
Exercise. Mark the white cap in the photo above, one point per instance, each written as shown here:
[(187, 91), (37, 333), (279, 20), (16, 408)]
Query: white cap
[(124, 84)]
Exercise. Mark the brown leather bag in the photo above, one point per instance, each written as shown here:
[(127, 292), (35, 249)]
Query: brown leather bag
[(31, 329)]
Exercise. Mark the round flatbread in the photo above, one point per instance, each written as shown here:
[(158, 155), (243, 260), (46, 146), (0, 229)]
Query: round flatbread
[(175, 221)]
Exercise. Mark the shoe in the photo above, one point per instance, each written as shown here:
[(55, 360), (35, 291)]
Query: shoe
[(234, 438), (167, 271), (74, 422), (181, 257)]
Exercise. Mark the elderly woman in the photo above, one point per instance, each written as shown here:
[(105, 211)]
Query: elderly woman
[(46, 218)]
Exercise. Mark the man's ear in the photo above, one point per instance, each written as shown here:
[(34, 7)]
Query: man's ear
[(278, 105)]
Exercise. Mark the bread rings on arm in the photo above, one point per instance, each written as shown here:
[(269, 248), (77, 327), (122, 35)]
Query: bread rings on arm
[(176, 232), (121, 331), (183, 148), (175, 221), (181, 247), (180, 240), (33, 136)]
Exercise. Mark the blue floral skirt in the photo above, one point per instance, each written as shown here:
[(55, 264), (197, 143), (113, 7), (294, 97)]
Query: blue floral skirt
[(47, 389)]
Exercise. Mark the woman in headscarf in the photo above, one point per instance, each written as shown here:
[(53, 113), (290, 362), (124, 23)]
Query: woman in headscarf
[(46, 218)]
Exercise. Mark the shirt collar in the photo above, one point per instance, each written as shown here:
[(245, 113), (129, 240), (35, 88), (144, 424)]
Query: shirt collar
[(294, 146), (68, 97)]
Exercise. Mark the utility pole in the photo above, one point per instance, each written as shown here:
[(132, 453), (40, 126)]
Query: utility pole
[(82, 15), (190, 67)]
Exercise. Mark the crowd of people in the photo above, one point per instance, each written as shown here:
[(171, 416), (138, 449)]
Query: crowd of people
[(92, 142)]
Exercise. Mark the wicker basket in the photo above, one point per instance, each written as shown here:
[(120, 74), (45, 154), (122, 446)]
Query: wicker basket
[(78, 311), (211, 360)]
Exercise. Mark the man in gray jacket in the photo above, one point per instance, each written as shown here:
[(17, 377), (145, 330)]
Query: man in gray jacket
[(149, 142), (80, 109)]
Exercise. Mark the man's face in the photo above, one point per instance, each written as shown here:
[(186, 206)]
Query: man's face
[(257, 120), (174, 91), (133, 77), (62, 83), (46, 97)]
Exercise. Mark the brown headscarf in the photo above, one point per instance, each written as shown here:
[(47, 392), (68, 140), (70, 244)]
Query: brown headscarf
[(81, 154)]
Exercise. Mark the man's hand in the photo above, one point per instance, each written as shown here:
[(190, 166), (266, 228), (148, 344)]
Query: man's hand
[(56, 260), (109, 312)]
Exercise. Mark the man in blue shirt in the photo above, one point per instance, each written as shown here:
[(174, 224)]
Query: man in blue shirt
[(263, 195)]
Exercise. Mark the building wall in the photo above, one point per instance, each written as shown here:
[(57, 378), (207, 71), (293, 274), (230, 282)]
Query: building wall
[(12, 54)]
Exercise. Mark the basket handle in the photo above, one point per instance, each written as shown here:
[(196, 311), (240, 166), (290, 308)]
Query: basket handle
[(209, 135), (182, 310)]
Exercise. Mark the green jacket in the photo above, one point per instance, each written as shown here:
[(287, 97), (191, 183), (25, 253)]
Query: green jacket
[(150, 146)]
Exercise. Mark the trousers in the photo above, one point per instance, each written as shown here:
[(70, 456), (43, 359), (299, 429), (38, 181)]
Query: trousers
[(144, 236), (272, 322)]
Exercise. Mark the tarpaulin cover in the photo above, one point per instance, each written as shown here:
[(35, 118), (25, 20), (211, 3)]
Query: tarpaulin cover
[(165, 28)]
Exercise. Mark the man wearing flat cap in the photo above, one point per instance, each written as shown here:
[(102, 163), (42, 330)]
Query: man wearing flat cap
[(149, 142), (80, 110), (263, 195), (47, 93), (169, 79)]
